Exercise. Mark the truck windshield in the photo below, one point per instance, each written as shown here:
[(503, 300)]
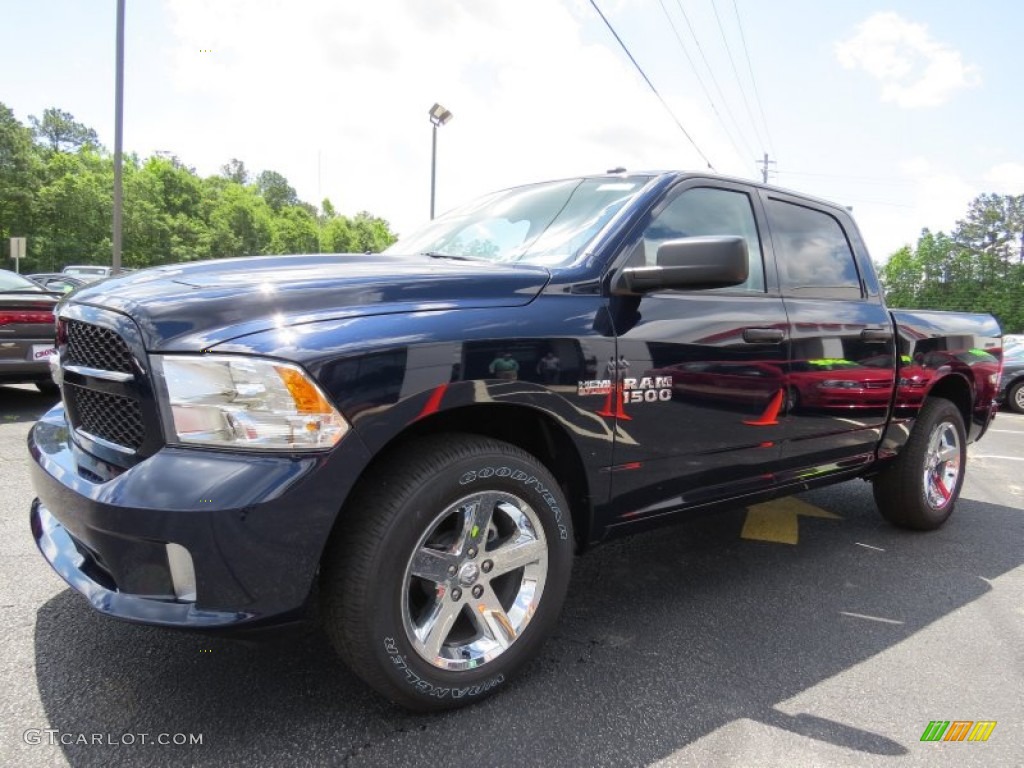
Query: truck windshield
[(549, 223)]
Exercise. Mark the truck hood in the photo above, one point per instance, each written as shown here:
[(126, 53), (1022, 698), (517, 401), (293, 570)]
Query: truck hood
[(186, 307)]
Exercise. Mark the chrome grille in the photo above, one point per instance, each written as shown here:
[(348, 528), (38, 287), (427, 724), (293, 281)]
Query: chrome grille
[(113, 418), (96, 347)]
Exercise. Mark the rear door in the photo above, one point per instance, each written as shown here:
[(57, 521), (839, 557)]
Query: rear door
[(697, 384), (841, 369)]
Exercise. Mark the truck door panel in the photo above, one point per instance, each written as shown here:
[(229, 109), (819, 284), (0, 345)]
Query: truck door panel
[(698, 405), (841, 367)]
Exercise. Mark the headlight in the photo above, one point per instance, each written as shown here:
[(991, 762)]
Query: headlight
[(245, 402), (838, 384)]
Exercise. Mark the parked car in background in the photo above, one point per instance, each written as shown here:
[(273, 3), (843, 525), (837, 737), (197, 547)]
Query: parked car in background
[(27, 332), (88, 272), (57, 281), (1011, 386)]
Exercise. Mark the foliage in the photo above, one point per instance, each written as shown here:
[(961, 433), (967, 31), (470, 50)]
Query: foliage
[(275, 190), (56, 189), (978, 268), (61, 132), (20, 180)]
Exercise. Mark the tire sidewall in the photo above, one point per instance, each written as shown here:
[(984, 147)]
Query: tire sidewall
[(415, 682), (1015, 397), (944, 413)]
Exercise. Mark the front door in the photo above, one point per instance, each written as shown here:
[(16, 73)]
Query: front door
[(698, 384)]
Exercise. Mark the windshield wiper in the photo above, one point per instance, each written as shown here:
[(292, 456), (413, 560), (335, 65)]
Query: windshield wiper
[(435, 255)]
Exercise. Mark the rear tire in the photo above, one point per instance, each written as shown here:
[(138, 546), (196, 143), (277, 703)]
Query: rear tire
[(447, 570), (919, 489)]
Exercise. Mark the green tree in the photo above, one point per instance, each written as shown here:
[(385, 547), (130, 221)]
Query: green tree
[(371, 234), (240, 221), (235, 170), (61, 132), (20, 179), (74, 210), (56, 189), (979, 268), (994, 226), (294, 231), (336, 236), (275, 190), (901, 275)]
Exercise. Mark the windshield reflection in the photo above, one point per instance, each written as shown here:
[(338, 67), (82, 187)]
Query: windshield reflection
[(549, 223)]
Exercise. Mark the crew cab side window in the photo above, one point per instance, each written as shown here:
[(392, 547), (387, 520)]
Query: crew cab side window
[(814, 254), (703, 211)]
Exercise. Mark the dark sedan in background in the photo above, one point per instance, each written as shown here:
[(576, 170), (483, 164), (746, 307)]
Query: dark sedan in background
[(57, 281), (1011, 385), (27, 334)]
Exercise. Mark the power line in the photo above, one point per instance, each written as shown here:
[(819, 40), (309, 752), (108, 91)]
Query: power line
[(753, 81), (711, 72), (700, 80), (736, 73), (651, 85), (843, 177)]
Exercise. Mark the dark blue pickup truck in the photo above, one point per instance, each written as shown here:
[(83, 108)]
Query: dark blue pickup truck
[(424, 439)]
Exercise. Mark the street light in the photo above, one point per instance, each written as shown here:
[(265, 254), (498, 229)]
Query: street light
[(438, 116), (118, 134)]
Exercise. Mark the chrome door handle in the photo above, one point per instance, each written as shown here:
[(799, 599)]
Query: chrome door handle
[(763, 335), (876, 334)]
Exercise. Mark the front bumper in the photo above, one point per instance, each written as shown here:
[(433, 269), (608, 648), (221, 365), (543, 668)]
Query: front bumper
[(253, 525)]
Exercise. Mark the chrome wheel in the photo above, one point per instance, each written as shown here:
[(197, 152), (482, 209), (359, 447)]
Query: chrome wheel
[(474, 580), (942, 465)]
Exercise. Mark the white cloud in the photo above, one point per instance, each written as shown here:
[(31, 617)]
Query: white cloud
[(289, 83), (1006, 178), (913, 69), (936, 198)]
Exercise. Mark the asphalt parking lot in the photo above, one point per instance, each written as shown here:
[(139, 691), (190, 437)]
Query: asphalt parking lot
[(686, 646)]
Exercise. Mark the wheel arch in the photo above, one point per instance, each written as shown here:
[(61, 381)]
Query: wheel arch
[(958, 390), (528, 428), (951, 386)]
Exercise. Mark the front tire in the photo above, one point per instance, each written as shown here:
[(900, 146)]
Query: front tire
[(447, 570), (920, 488), (48, 388)]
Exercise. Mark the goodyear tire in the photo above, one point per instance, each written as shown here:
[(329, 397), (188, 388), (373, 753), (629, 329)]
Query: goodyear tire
[(920, 488), (447, 570)]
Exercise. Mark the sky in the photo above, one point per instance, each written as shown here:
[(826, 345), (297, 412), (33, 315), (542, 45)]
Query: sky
[(904, 111)]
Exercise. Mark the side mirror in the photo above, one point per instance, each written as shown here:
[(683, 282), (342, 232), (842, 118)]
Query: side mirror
[(692, 263)]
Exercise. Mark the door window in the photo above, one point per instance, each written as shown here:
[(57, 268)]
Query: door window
[(704, 211), (815, 259)]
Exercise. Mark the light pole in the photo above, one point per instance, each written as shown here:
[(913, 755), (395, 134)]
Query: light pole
[(438, 116), (118, 133)]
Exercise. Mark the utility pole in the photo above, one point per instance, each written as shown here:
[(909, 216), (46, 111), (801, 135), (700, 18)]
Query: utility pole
[(765, 162), (118, 131)]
